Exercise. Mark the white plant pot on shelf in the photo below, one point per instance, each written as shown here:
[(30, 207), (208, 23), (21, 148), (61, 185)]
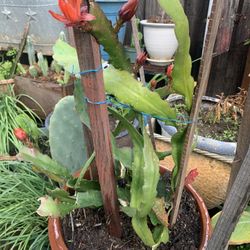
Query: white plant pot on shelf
[(160, 41)]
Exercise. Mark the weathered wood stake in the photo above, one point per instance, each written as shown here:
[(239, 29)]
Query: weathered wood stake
[(89, 58), (200, 91)]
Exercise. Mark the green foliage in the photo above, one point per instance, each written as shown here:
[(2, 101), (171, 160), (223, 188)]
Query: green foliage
[(10, 108), (183, 82), (33, 71), (29, 126), (20, 227), (127, 90), (43, 64), (31, 52), (6, 62), (44, 164), (66, 137), (103, 31), (241, 234)]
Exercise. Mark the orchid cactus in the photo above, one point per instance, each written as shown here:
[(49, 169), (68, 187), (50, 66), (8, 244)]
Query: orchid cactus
[(142, 161)]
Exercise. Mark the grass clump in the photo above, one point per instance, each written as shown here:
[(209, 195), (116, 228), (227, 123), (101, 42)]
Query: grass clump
[(20, 227)]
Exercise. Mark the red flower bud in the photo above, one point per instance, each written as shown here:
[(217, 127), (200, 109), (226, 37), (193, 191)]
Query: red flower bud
[(169, 71), (128, 10), (72, 13), (190, 178), (20, 134), (141, 58)]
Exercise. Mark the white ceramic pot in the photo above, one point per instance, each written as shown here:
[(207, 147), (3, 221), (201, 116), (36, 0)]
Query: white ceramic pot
[(160, 40)]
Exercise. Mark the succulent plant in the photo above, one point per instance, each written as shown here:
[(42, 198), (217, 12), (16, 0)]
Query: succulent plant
[(43, 64), (65, 131), (33, 71), (31, 51)]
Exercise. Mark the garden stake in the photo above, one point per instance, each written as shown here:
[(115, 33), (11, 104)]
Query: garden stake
[(89, 58), (200, 91), (142, 74)]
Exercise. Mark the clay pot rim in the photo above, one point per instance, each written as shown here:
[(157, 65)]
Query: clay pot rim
[(57, 241)]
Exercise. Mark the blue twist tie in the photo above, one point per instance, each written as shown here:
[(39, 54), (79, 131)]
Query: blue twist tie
[(91, 71)]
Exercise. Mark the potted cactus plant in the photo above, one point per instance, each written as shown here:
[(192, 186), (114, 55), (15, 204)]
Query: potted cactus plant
[(143, 196), (45, 85)]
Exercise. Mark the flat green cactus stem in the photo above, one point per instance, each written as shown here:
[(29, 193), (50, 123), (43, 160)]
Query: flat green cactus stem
[(56, 67), (103, 31), (66, 135)]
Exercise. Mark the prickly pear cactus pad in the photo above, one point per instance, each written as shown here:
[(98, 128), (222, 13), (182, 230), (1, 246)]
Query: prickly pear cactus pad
[(66, 136)]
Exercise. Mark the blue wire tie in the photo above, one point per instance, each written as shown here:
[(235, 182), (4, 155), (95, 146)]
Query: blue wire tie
[(95, 103), (91, 71)]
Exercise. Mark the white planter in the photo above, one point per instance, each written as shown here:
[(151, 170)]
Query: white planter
[(160, 40)]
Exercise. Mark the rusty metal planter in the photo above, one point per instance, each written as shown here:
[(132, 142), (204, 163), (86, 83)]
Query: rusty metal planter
[(47, 94)]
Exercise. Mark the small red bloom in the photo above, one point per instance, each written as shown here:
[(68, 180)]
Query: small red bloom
[(141, 58), (169, 71), (190, 178), (20, 134), (72, 13), (128, 10)]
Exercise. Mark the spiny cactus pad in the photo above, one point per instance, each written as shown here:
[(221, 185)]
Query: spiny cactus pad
[(67, 141)]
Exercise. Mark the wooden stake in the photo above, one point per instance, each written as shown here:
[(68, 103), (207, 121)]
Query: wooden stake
[(142, 73), (89, 58), (200, 91), (233, 207)]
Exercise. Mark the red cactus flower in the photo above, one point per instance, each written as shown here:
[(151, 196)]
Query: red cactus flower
[(20, 134), (72, 13), (169, 71), (190, 178), (141, 58), (128, 10)]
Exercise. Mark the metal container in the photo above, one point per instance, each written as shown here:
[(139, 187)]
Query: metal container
[(44, 30)]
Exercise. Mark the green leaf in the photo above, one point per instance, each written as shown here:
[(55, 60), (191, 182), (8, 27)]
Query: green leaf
[(177, 142), (44, 164), (127, 90), (83, 185), (150, 175), (54, 209), (61, 195), (241, 234), (80, 103), (124, 155), (142, 230), (66, 56), (129, 211), (183, 82), (91, 198), (161, 235), (134, 134)]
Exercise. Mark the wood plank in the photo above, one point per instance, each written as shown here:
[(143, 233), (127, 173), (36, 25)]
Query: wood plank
[(233, 207), (243, 26), (89, 58), (246, 78), (242, 144), (200, 90), (227, 24)]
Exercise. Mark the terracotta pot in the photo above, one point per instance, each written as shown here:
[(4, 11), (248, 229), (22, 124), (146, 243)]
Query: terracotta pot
[(4, 85), (47, 94), (57, 241)]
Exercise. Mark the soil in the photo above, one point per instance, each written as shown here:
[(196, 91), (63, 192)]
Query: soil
[(159, 19), (90, 231)]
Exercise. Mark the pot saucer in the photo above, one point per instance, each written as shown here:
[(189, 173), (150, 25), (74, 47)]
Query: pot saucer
[(160, 62)]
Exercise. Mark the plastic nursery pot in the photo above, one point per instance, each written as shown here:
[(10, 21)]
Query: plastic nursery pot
[(202, 143), (111, 9), (160, 40), (57, 241)]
